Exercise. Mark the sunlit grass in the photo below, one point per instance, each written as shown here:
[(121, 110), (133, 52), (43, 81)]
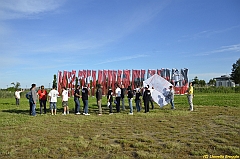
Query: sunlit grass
[(212, 128)]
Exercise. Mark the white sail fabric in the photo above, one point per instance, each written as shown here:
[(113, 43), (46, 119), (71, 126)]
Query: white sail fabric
[(161, 89)]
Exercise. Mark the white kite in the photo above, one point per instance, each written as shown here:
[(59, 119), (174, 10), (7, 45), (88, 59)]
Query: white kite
[(161, 89)]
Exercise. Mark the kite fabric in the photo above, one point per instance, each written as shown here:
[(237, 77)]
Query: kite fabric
[(161, 89)]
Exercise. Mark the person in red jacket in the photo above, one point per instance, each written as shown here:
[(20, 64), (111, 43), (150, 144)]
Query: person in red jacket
[(42, 95)]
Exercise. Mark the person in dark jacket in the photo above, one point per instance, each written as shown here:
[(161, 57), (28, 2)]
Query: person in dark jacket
[(138, 100), (76, 100), (146, 99), (130, 97), (99, 99), (85, 100)]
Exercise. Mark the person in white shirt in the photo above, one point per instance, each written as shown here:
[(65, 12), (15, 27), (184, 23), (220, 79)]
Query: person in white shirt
[(17, 96), (65, 101), (52, 96), (151, 99), (118, 98), (171, 96)]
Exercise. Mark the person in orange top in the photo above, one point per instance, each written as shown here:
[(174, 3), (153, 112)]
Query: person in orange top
[(42, 95)]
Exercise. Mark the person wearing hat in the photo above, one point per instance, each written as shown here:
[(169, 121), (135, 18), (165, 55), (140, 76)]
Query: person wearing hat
[(171, 96)]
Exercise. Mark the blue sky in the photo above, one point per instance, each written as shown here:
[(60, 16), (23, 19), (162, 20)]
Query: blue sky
[(38, 38)]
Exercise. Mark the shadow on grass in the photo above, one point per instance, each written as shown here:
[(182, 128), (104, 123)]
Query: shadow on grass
[(8, 104), (16, 111)]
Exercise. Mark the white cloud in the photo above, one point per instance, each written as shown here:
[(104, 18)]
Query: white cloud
[(122, 59), (14, 9), (208, 33), (230, 48)]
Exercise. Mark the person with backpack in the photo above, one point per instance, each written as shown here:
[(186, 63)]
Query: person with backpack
[(33, 99), (29, 97), (130, 97)]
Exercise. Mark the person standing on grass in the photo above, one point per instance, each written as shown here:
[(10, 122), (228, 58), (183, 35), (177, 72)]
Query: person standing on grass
[(76, 100), (42, 95), (151, 99), (17, 96), (53, 94), (190, 96), (85, 99), (65, 101), (123, 89), (146, 99), (110, 100), (138, 100), (171, 96), (118, 98), (33, 99), (130, 97), (29, 97), (99, 99)]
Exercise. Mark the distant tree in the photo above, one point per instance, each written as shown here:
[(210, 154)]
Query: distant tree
[(15, 86), (54, 80), (235, 75), (202, 83), (212, 82), (195, 80)]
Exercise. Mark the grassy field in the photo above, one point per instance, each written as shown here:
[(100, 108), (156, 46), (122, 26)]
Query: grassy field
[(212, 129)]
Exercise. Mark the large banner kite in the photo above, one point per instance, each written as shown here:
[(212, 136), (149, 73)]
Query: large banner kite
[(133, 78), (161, 89)]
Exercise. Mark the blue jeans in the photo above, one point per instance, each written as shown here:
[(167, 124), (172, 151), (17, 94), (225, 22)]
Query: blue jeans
[(33, 109), (85, 102), (17, 101), (77, 105), (138, 105), (172, 103), (130, 104), (43, 106), (53, 105)]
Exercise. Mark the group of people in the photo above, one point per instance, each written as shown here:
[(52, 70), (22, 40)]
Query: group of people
[(120, 92)]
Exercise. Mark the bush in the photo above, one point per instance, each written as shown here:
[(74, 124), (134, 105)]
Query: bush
[(213, 89)]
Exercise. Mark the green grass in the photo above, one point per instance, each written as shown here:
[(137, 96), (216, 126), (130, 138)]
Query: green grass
[(213, 128)]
